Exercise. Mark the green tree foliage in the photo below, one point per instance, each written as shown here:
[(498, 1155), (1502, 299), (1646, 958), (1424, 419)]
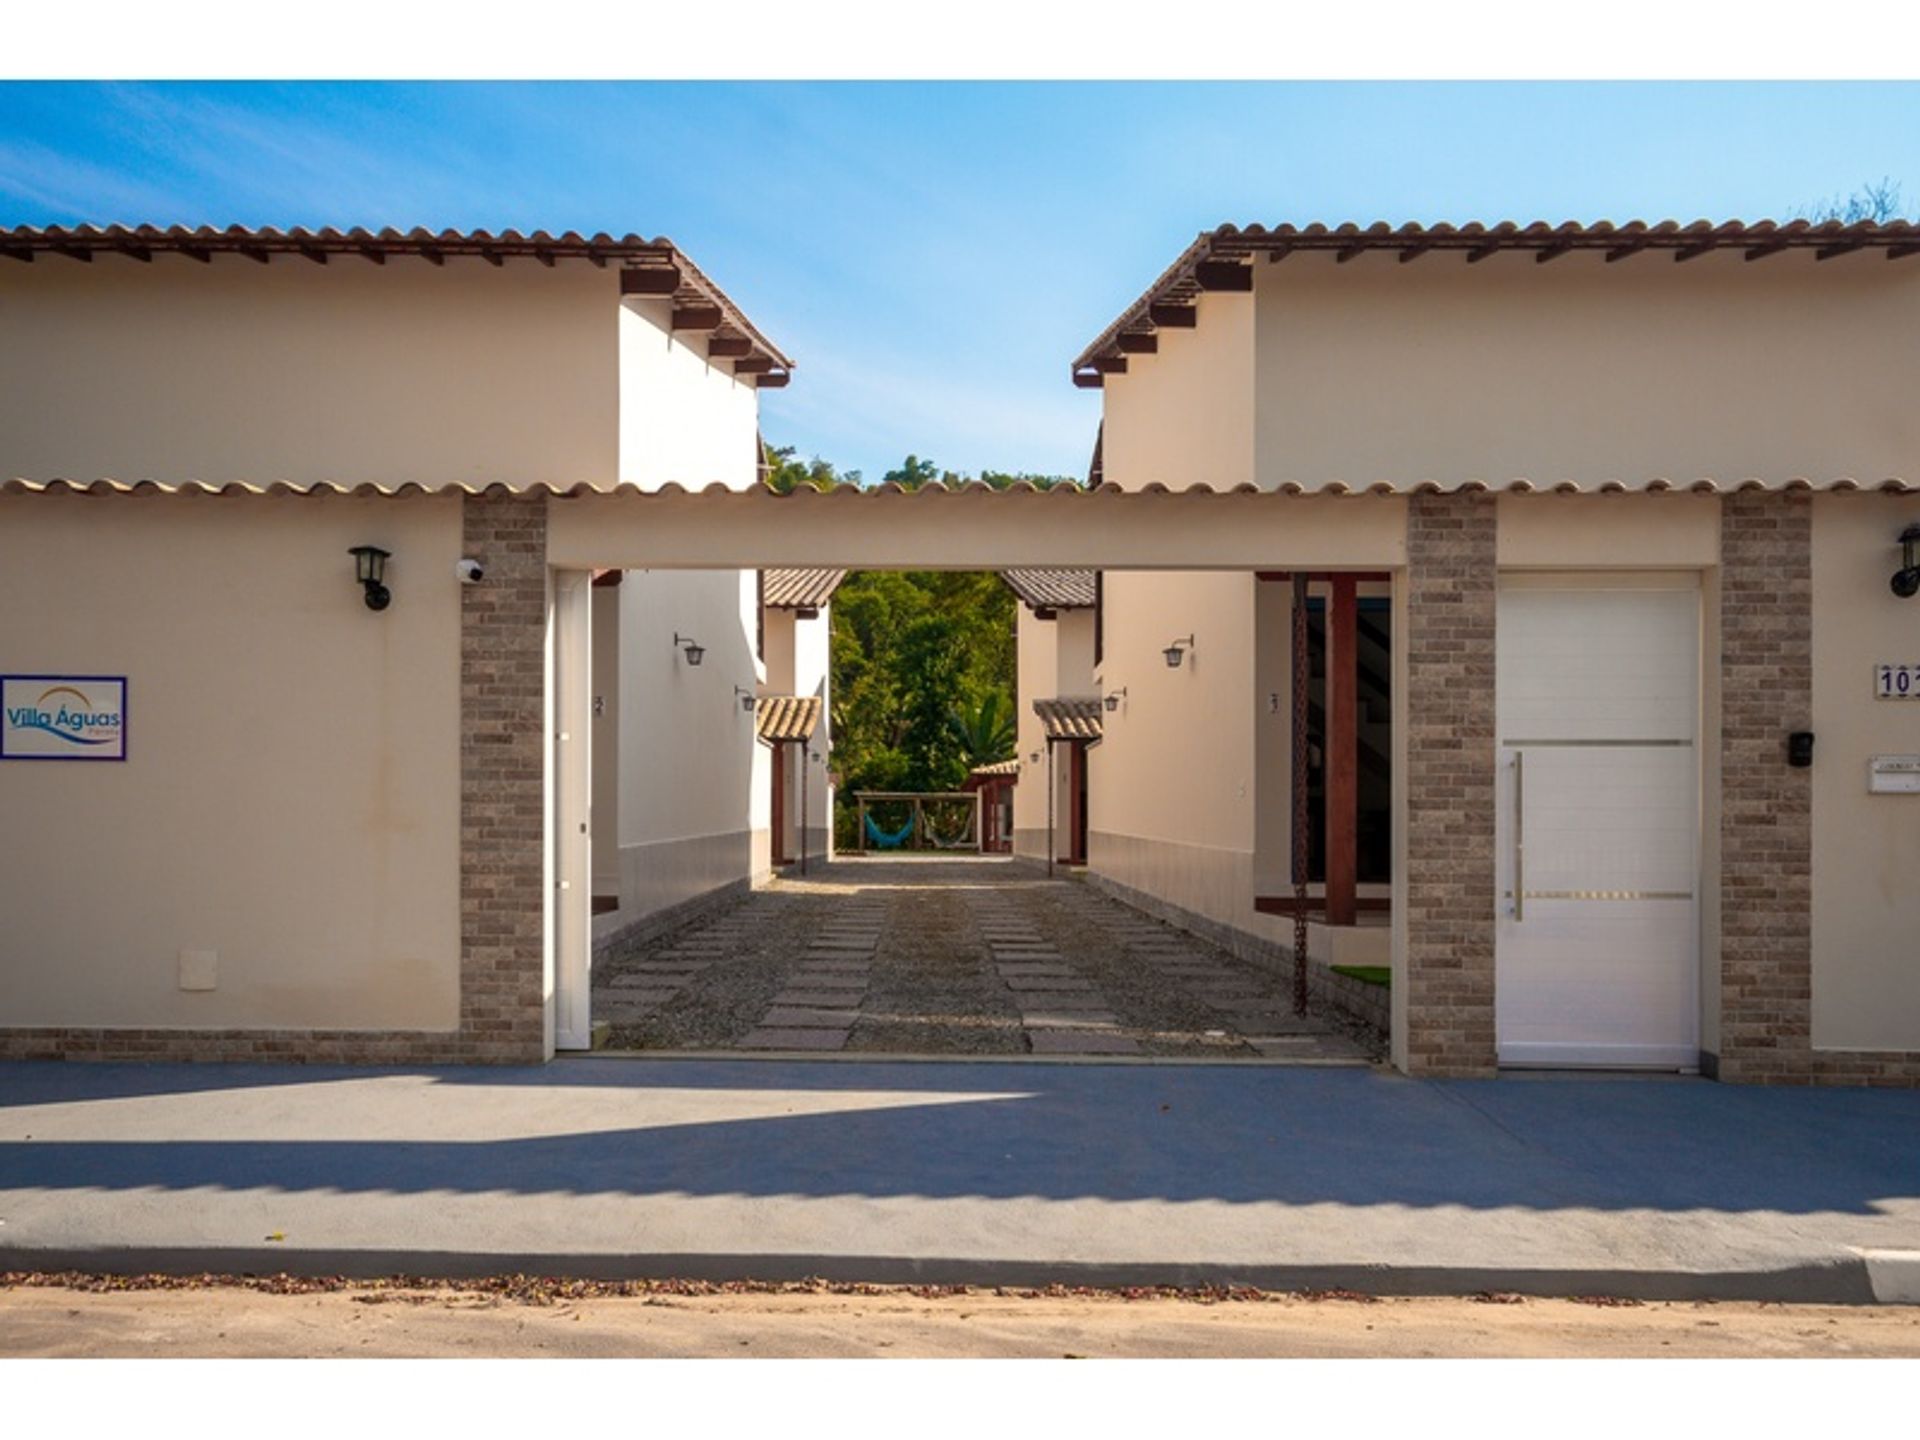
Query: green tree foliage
[(787, 472), (910, 650)]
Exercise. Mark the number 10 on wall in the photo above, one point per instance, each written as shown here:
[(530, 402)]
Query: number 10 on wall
[(1896, 682)]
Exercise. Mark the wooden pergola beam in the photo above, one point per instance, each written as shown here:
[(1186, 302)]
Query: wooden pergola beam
[(1139, 342), (1110, 364), (728, 347), (753, 365), (1088, 380), (1173, 317), (1342, 752)]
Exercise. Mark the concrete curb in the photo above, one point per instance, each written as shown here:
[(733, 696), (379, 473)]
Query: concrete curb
[(1845, 1280)]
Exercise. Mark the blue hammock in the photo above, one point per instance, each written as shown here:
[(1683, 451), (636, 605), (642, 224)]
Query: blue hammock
[(885, 841)]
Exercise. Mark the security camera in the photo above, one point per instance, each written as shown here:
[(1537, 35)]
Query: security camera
[(1906, 583), (470, 572)]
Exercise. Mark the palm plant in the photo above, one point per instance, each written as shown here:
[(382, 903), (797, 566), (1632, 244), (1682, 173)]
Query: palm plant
[(986, 729)]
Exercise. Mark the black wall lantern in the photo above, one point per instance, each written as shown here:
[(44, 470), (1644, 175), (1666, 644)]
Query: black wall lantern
[(1174, 651), (696, 652), (1906, 580), (370, 569)]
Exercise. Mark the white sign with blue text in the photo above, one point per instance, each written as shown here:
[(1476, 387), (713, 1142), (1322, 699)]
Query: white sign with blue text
[(63, 717)]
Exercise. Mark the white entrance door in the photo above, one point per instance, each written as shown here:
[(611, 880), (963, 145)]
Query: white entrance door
[(1598, 828)]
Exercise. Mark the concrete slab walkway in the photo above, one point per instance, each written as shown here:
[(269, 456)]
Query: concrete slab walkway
[(1011, 1172)]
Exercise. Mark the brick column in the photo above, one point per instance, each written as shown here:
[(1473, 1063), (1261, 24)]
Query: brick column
[(1449, 889), (1766, 807), (502, 780)]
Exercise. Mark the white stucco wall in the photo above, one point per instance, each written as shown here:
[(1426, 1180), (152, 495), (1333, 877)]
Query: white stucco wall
[(693, 781), (682, 418), (1866, 847), (347, 372), (291, 796), (1580, 370)]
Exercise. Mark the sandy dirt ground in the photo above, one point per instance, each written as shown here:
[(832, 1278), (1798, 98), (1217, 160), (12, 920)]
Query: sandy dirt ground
[(224, 1321)]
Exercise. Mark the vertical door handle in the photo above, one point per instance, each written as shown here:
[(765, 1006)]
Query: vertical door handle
[(1519, 835)]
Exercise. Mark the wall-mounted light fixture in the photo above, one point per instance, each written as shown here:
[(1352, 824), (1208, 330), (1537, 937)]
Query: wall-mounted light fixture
[(1112, 701), (746, 699), (1906, 580), (696, 652), (370, 569), (1034, 758), (1174, 651)]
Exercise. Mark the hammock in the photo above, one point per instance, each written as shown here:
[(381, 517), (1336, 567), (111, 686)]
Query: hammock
[(964, 842), (885, 841)]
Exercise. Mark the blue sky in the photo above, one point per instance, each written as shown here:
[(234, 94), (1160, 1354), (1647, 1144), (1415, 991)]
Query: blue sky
[(934, 254)]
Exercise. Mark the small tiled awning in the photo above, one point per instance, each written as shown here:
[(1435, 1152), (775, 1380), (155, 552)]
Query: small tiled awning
[(1052, 589), (1069, 719), (997, 769), (784, 718), (801, 589)]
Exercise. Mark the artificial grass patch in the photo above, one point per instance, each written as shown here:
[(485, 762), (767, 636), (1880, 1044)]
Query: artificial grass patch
[(1366, 974)]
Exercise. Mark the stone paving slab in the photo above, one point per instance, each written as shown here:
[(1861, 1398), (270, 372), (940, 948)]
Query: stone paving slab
[(815, 998), (1081, 1042), (1088, 999), (772, 1038), (784, 1017), (1069, 1019), (1055, 983)]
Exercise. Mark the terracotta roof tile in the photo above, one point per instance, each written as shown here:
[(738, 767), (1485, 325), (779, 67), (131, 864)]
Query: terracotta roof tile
[(1052, 589), (801, 589), (1215, 258), (786, 717), (1069, 719)]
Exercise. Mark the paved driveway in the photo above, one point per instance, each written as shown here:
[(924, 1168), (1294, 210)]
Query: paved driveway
[(944, 956), (1018, 1172)]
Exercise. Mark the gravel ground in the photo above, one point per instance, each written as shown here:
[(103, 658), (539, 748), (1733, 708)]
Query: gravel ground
[(943, 982)]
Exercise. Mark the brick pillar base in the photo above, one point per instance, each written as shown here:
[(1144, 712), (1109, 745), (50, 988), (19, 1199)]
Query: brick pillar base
[(1449, 889), (1766, 807), (503, 780)]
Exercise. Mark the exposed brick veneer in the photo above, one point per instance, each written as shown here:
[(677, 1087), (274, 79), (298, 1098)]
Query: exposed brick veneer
[(1766, 807), (502, 779), (1451, 592)]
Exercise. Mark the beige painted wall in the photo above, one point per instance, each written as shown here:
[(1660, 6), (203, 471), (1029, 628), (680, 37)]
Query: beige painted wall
[(1173, 781), (1581, 370), (1866, 900), (291, 797), (1184, 416), (348, 372)]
